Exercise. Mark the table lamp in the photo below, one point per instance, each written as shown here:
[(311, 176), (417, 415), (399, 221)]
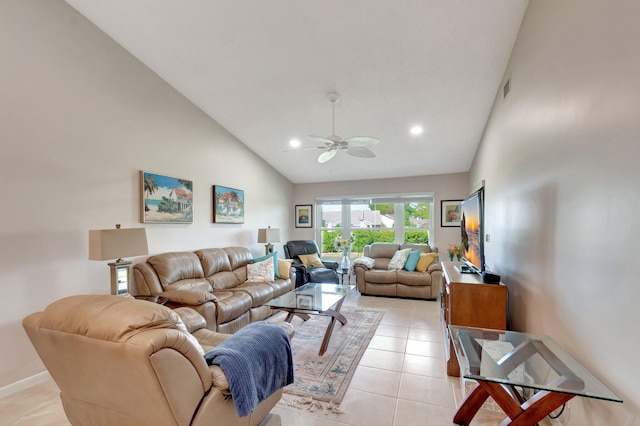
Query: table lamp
[(105, 244), (268, 235)]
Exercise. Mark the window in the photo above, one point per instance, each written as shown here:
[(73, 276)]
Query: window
[(373, 219)]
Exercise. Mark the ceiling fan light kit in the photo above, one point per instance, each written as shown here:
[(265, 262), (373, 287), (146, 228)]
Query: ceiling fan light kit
[(355, 146)]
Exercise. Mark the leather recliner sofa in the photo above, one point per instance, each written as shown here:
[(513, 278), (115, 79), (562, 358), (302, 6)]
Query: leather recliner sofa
[(120, 361), (381, 281), (213, 282)]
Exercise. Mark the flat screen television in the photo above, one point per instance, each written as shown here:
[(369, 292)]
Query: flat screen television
[(472, 229)]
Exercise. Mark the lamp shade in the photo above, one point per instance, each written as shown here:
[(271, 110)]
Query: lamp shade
[(268, 235), (105, 244)]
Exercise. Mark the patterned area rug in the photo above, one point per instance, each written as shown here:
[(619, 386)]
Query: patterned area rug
[(326, 378)]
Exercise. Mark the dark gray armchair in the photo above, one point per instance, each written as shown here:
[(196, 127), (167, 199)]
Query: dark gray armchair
[(328, 274)]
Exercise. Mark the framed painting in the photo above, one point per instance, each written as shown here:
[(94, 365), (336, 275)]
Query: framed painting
[(304, 216), (450, 214), (228, 205), (165, 199)]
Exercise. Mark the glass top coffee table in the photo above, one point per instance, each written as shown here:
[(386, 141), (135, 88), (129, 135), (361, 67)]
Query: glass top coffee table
[(314, 299), (527, 375)]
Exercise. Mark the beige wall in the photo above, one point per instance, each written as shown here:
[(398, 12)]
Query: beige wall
[(79, 118), (445, 187), (560, 159)]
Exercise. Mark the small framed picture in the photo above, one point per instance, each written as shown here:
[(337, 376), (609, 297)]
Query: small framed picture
[(304, 216), (450, 214), (304, 301), (228, 205)]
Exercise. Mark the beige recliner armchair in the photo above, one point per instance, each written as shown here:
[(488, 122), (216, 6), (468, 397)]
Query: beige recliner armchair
[(120, 361)]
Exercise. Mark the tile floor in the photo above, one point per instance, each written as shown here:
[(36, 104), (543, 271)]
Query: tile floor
[(401, 379)]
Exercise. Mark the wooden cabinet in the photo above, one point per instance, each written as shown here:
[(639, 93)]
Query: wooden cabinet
[(466, 301)]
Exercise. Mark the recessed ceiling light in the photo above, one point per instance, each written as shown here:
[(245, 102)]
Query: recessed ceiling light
[(294, 143), (416, 130)]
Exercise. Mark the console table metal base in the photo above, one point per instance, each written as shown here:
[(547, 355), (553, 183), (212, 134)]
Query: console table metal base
[(518, 411)]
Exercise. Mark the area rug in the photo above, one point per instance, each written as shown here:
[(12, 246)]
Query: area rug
[(326, 378)]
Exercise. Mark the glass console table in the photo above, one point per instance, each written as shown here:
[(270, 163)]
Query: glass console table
[(527, 375)]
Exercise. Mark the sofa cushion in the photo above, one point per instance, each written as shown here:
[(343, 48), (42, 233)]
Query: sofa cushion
[(260, 293), (412, 260), (399, 259), (379, 276), (382, 250), (238, 256), (175, 266), (413, 278), (425, 248), (261, 272), (425, 260), (224, 280), (213, 260)]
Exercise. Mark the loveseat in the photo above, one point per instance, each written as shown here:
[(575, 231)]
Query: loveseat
[(373, 276), (213, 282), (120, 361)]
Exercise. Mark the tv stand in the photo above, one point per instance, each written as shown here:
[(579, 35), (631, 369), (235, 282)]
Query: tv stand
[(468, 302)]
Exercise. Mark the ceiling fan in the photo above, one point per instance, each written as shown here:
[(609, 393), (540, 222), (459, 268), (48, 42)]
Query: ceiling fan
[(356, 146)]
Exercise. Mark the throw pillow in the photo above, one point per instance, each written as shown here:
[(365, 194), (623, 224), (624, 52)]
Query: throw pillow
[(399, 259), (311, 259), (412, 260), (261, 272), (284, 266), (426, 259), (273, 255)]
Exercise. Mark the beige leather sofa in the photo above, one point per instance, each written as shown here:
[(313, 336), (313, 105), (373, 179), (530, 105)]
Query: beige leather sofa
[(120, 361), (213, 282), (381, 281)]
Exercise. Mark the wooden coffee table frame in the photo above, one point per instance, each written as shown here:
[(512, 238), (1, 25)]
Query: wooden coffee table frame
[(333, 312)]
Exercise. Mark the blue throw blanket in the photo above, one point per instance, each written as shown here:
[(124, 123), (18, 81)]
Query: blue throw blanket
[(257, 362)]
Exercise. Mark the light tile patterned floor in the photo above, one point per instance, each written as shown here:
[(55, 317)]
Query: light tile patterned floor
[(401, 380)]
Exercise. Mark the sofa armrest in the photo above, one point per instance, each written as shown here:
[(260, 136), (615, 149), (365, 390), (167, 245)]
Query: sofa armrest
[(330, 264), (188, 298), (435, 266), (219, 379)]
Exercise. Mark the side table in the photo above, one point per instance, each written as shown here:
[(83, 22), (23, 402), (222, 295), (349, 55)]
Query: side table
[(527, 375), (342, 273)]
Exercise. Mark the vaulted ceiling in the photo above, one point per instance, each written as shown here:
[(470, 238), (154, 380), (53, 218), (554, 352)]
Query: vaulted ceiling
[(263, 69)]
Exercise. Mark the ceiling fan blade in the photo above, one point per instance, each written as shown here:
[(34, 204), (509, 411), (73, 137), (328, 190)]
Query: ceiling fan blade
[(360, 151), (326, 156), (304, 149), (320, 139), (362, 141)]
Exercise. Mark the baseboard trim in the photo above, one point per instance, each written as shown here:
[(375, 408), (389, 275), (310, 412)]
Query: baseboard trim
[(23, 384)]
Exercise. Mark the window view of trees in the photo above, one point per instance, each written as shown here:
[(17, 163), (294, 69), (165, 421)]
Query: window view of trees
[(371, 223)]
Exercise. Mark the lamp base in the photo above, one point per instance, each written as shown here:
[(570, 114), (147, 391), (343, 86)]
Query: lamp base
[(268, 249), (119, 277)]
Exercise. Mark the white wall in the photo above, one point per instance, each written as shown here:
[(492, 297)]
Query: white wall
[(79, 118), (560, 159), (453, 186)]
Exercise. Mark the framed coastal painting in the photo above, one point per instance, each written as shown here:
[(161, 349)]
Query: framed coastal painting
[(303, 216), (165, 199), (228, 205), (450, 214)]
